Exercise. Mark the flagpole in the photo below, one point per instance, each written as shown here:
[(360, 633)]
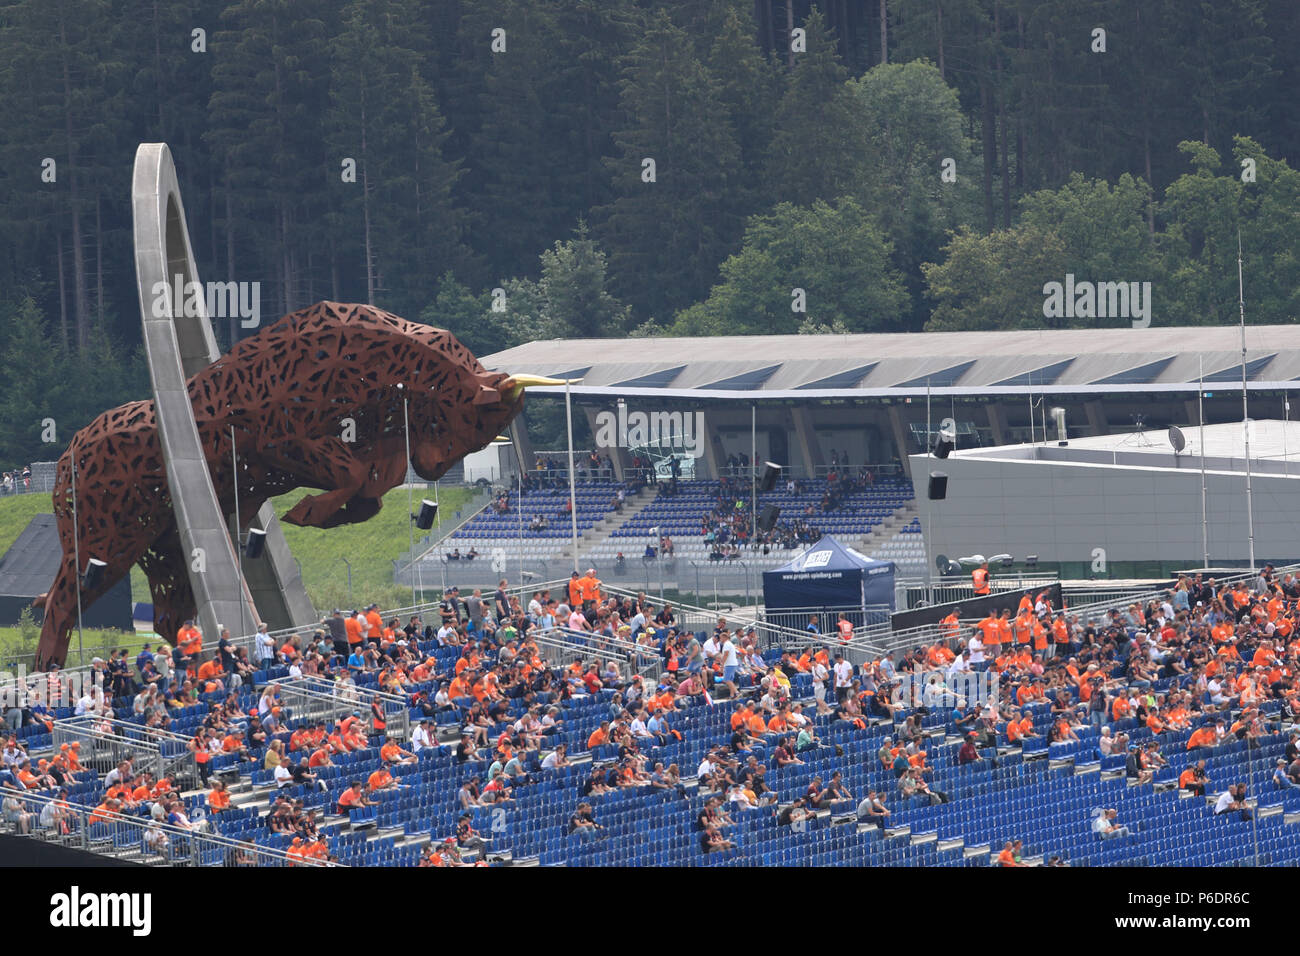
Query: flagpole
[(1245, 415), (1200, 414), (573, 489)]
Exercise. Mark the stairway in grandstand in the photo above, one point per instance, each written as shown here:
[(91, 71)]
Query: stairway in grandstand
[(886, 532)]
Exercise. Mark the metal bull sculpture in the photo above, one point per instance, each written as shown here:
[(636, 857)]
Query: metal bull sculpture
[(315, 401)]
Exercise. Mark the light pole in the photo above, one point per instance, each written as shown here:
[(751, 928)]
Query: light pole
[(239, 548), (76, 556), (1245, 412), (573, 487)]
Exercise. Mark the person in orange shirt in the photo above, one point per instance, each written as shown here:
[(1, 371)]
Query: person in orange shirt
[(1013, 730), (740, 716), (393, 754), (990, 634), (353, 627), (1006, 857), (300, 739), (296, 852), (381, 779), (950, 627), (353, 797), (1026, 604), (143, 792), (599, 737), (218, 797), (190, 640), (459, 687), (1004, 627), (1202, 737), (778, 724), (320, 757), (375, 621), (103, 812), (1040, 637), (1193, 779), (70, 752), (1119, 709), (757, 726)]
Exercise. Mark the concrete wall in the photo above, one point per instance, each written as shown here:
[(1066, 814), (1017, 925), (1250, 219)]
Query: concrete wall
[(1061, 512)]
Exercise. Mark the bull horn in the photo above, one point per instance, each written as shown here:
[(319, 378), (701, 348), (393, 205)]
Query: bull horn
[(521, 382), (527, 381)]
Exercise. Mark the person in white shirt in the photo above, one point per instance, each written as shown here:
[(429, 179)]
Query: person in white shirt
[(1105, 743), (706, 767), (730, 664), (843, 671), (960, 664), (710, 649), (555, 759), (976, 648), (283, 777), (638, 727), (819, 676), (263, 647), (295, 669), (423, 736)]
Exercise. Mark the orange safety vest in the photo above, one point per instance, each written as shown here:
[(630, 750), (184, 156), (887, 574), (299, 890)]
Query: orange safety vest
[(980, 578)]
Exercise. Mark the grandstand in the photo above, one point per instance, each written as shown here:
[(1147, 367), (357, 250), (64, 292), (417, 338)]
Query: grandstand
[(1044, 791)]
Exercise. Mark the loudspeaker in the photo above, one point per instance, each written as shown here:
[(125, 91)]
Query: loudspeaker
[(428, 511), (938, 486), (94, 574), (943, 446), (255, 545), (767, 517), (771, 472)]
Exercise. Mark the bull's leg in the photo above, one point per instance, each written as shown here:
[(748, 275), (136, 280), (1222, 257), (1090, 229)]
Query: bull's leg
[(166, 567), (320, 463), (60, 616)]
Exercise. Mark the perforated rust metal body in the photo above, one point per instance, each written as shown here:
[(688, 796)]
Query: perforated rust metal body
[(289, 392)]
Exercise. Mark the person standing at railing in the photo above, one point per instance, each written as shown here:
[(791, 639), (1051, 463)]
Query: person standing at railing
[(980, 580)]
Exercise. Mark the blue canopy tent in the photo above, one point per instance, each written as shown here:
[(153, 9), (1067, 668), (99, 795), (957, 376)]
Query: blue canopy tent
[(826, 579)]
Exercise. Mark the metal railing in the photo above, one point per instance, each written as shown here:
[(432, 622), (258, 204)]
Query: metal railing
[(560, 645), (105, 742), (140, 839), (41, 481), (869, 617), (911, 591), (1098, 610), (315, 698)]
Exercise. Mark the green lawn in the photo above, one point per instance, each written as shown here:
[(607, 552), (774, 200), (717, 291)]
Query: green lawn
[(371, 547)]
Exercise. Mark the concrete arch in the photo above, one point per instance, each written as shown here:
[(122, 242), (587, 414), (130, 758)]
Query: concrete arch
[(176, 347)]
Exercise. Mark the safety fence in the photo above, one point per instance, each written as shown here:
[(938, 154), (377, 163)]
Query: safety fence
[(136, 838), (104, 742), (313, 699)]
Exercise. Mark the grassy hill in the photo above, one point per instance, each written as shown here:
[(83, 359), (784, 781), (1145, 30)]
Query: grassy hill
[(371, 548)]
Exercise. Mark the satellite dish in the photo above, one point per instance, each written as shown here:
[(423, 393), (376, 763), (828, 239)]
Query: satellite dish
[(973, 559), (1176, 438)]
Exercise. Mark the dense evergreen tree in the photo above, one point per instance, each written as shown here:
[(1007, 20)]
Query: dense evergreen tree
[(774, 168)]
